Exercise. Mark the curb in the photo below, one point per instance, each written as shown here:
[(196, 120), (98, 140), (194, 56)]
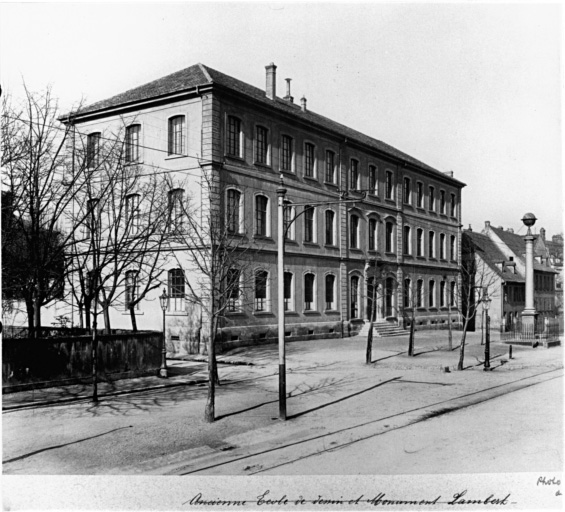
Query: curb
[(45, 403)]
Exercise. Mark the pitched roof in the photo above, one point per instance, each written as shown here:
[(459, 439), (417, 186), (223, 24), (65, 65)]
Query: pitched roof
[(517, 245), (491, 254), (200, 75)]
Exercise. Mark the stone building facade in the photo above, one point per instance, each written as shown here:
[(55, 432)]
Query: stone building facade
[(373, 229)]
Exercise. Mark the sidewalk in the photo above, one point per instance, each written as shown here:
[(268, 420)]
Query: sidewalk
[(431, 354)]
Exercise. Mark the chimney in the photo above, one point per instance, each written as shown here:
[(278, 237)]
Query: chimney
[(303, 103), (487, 224), (470, 227), (510, 230), (288, 97), (271, 88), (542, 234), (449, 173)]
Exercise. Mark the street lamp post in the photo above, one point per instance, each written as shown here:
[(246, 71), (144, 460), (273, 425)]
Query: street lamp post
[(486, 305), (281, 192), (164, 299)]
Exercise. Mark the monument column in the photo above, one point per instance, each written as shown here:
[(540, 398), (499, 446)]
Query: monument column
[(529, 313)]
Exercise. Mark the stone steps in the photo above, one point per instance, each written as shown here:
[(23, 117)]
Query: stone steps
[(384, 330)]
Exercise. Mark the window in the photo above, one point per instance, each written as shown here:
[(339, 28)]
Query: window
[(452, 294), (176, 289), (92, 207), (286, 153), (132, 288), (261, 211), (373, 183), (309, 224), (233, 211), (419, 242), (453, 206), (407, 293), (389, 238), (234, 136), (432, 294), (261, 145), (132, 143), (330, 227), (388, 185), (93, 150), (289, 214), (330, 292), (309, 292), (354, 299), (354, 175), (442, 201), (372, 234), (442, 246), (420, 194), (288, 292), (442, 294), (452, 255), (176, 136), (354, 232), (261, 291), (419, 293), (233, 289), (176, 209), (309, 160), (407, 192), (406, 240), (431, 245), (432, 198), (132, 213), (330, 166)]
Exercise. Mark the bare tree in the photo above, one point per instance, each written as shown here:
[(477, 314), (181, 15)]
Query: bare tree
[(207, 239), (39, 176), (477, 280)]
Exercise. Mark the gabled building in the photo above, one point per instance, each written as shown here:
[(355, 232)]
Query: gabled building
[(406, 215)]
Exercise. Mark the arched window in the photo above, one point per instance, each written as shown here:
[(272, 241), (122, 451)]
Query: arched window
[(132, 214), (176, 209), (354, 297), (288, 291), (419, 293), (132, 288), (407, 293), (234, 136), (176, 135), (452, 294), (407, 193), (389, 186), (419, 242), (389, 237), (309, 292), (354, 232), (419, 194), (261, 215), (442, 295), (287, 153), (432, 294), (330, 227), (133, 133), (442, 201), (432, 199), (176, 289), (330, 292), (289, 214), (372, 234), (262, 299), (442, 246), (373, 180), (233, 211), (452, 255), (406, 240), (431, 244), (233, 289), (330, 166), (309, 224)]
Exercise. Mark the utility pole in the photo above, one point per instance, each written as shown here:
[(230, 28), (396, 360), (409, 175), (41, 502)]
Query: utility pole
[(281, 193)]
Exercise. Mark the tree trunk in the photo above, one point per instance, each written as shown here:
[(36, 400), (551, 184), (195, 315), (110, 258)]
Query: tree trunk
[(133, 318), (369, 353), (94, 359), (450, 333), (411, 339), (30, 318), (37, 315), (80, 318), (209, 413), (87, 306), (106, 314), (462, 348)]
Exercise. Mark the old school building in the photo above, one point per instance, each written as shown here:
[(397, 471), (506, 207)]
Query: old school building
[(371, 230)]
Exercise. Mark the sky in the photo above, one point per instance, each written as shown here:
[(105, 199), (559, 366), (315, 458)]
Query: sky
[(464, 87)]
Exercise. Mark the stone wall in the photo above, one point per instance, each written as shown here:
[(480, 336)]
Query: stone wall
[(47, 361)]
